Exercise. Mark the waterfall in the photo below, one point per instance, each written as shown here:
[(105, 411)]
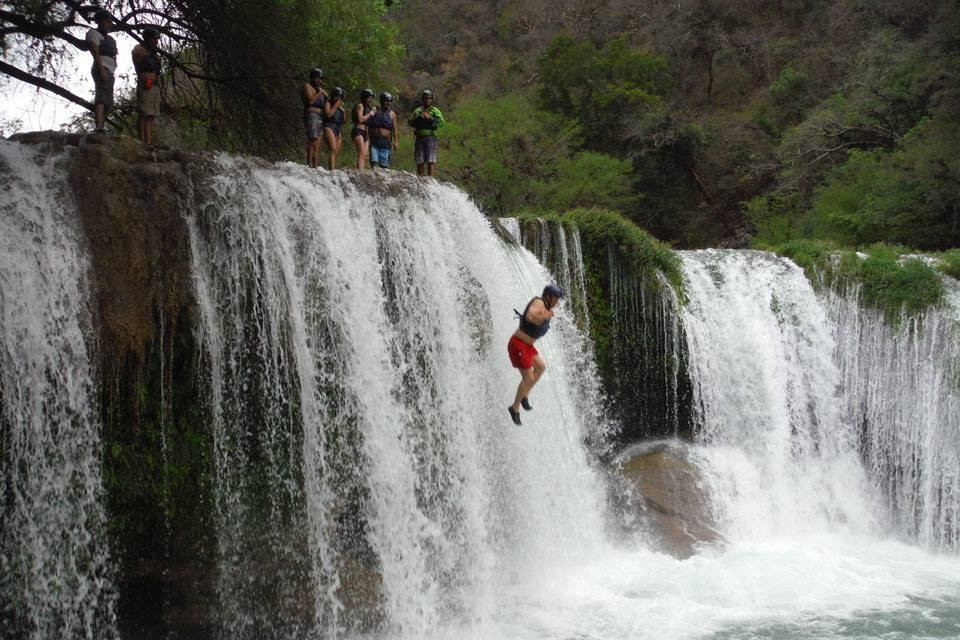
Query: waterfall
[(346, 381), (780, 455), (901, 391), (54, 566), (356, 340)]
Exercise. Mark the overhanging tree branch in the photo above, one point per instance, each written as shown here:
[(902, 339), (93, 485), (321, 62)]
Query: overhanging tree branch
[(40, 30), (46, 85)]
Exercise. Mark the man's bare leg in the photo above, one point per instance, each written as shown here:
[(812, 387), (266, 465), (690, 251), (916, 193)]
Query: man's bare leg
[(529, 379)]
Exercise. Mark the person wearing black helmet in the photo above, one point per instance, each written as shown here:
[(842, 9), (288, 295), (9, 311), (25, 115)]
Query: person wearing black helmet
[(360, 115), (333, 119), (382, 127), (534, 324), (426, 120), (314, 99), (146, 62), (104, 50)]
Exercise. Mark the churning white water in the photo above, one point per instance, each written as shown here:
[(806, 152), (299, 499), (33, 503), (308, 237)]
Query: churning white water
[(54, 569)]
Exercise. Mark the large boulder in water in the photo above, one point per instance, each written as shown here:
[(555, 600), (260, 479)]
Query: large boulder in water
[(668, 494)]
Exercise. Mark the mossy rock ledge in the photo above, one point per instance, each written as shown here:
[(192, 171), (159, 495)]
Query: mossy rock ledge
[(669, 492)]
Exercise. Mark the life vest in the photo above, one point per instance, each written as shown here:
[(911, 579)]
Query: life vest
[(108, 46), (318, 103), (353, 114), (336, 119), (533, 330), (149, 64), (381, 120), (421, 122)]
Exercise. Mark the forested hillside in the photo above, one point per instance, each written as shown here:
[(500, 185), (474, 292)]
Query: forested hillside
[(707, 122)]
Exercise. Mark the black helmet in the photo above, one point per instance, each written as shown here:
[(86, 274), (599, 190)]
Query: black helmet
[(366, 93), (150, 34), (315, 73), (426, 93), (101, 15), (336, 92), (552, 290), (386, 96)]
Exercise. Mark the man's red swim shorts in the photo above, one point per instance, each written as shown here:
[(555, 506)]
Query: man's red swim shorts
[(521, 353)]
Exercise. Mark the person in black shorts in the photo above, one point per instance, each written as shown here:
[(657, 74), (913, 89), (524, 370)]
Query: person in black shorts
[(362, 111), (333, 119)]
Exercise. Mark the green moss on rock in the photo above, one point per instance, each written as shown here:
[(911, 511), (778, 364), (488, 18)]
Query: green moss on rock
[(601, 229)]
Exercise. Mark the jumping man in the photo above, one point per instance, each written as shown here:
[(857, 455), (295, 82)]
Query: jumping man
[(534, 323)]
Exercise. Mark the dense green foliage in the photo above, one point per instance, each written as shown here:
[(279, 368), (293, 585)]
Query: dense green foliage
[(707, 122), (788, 120), (509, 154)]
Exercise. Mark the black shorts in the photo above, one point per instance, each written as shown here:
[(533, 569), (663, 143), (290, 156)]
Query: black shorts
[(360, 132)]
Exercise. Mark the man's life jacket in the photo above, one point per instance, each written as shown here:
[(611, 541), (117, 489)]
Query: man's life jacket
[(318, 103), (149, 64), (533, 330), (381, 120), (108, 46)]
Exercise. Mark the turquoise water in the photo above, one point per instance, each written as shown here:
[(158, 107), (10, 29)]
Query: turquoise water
[(923, 618)]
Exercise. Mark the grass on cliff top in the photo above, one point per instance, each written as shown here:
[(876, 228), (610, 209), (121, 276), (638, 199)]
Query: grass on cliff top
[(889, 281), (602, 228)]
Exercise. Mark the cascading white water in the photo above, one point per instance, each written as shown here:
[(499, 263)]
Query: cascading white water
[(901, 391), (54, 565), (389, 315), (766, 397)]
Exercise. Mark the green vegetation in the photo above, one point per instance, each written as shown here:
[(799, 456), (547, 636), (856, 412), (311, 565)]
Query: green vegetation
[(601, 229), (889, 278), (738, 121), (509, 154), (949, 263)]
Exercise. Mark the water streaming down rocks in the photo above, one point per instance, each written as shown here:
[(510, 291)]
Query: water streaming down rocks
[(643, 363), (331, 370), (383, 441), (901, 392), (55, 572), (364, 475), (777, 452)]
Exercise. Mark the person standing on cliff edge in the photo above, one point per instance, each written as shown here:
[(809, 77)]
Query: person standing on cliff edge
[(146, 61), (534, 324), (426, 120), (103, 48)]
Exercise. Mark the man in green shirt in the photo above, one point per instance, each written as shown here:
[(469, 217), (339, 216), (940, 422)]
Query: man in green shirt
[(425, 122)]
